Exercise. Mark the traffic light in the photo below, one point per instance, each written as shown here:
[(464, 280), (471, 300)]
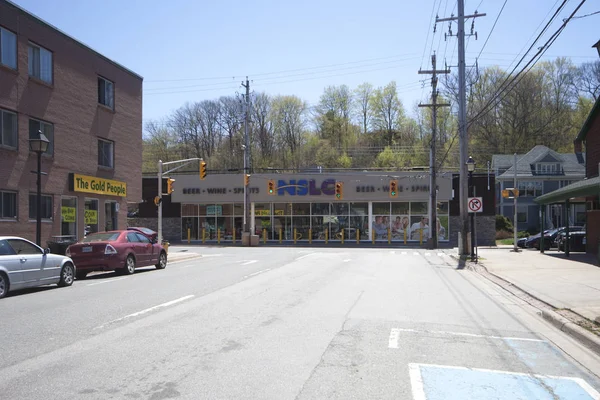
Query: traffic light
[(246, 179), (202, 170), (393, 188), (157, 201), (339, 190), (271, 186), (170, 183), (510, 193)]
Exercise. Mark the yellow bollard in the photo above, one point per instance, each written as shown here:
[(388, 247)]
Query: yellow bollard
[(421, 236), (373, 235), (326, 235), (189, 235), (264, 236), (389, 236), (279, 235), (358, 236), (219, 236), (233, 237), (342, 235), (404, 235), (310, 236), (295, 234), (203, 235)]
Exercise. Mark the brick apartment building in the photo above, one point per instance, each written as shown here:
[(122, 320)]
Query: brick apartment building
[(89, 107)]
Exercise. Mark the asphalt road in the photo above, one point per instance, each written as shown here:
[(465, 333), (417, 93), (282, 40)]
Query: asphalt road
[(288, 323)]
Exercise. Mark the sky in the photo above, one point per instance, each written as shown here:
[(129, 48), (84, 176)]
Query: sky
[(197, 50)]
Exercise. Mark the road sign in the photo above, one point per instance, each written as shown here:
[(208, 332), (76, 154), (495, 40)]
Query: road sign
[(510, 193), (475, 204)]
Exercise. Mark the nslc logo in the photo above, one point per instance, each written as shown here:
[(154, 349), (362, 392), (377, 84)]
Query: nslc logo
[(304, 187)]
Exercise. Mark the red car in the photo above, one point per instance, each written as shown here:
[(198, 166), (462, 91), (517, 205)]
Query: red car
[(121, 251)]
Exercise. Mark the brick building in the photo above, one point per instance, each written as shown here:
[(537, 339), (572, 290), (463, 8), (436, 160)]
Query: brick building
[(89, 107)]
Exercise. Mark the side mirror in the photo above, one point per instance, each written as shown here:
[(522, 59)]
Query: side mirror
[(47, 250)]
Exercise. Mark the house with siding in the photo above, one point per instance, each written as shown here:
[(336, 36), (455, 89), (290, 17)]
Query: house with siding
[(539, 171)]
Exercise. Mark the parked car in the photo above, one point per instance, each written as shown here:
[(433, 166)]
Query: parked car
[(24, 264), (149, 233), (522, 241), (122, 251), (577, 241), (534, 239), (550, 237)]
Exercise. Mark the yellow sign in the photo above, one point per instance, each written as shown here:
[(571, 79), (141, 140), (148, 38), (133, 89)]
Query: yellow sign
[(91, 217), (68, 214), (92, 184), (267, 212)]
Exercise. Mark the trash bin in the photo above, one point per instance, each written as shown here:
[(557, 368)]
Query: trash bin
[(165, 244), (59, 244)]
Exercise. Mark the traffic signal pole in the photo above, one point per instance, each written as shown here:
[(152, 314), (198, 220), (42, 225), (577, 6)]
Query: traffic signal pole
[(161, 174)]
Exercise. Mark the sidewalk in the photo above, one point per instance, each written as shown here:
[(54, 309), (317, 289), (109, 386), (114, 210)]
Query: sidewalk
[(174, 255), (572, 283)]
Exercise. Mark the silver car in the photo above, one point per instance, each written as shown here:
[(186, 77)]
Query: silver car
[(24, 264)]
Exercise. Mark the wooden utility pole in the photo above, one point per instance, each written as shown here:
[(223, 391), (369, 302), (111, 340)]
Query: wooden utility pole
[(433, 232)]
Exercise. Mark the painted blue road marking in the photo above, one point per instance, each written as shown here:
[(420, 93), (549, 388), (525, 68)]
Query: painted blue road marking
[(436, 382)]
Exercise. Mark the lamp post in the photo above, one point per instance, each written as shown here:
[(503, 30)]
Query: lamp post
[(39, 146), (471, 168)]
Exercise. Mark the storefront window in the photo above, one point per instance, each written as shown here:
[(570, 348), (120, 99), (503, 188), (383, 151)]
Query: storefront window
[(190, 223), (91, 216), (381, 208), (68, 219), (189, 210), (282, 209), (359, 208), (301, 209), (227, 209), (201, 209), (340, 209), (418, 208), (302, 226), (110, 215), (320, 209), (400, 208)]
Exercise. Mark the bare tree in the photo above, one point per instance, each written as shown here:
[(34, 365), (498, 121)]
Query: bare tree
[(263, 125), (288, 114), (587, 79), (363, 95), (388, 112)]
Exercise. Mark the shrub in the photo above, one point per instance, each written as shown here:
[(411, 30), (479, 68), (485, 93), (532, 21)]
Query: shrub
[(503, 223), (503, 235), (523, 234)]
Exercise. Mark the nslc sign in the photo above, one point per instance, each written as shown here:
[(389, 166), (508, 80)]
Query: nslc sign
[(305, 187)]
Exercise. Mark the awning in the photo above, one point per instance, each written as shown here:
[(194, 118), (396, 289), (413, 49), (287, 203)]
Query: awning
[(584, 188)]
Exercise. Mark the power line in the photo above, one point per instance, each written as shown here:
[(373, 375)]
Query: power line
[(586, 15), (493, 26)]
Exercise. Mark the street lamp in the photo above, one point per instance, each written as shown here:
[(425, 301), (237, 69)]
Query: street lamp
[(39, 146), (597, 46), (471, 168)]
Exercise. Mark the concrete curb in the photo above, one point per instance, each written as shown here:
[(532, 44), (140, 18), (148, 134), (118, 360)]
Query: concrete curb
[(581, 334), (585, 337)]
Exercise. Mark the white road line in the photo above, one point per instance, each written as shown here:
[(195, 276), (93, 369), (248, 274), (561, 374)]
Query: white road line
[(475, 335), (428, 254), (416, 253), (347, 260), (440, 254), (250, 262), (393, 252), (212, 255), (586, 386), (416, 382), (403, 253), (394, 338), (256, 273), (106, 281), (147, 310), (304, 256)]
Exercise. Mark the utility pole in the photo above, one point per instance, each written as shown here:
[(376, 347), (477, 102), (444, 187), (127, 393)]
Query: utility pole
[(462, 121), (515, 248), (246, 154), (433, 232)]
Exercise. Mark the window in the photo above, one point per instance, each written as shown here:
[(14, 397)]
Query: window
[(46, 206), (530, 189), (106, 93), (46, 128), (21, 246), (8, 205), (521, 216), (142, 238), (8, 48), (106, 156), (8, 129), (40, 63), (132, 238)]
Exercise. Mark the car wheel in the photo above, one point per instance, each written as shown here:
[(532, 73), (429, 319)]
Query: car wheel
[(162, 261), (129, 265), (3, 285), (67, 275)]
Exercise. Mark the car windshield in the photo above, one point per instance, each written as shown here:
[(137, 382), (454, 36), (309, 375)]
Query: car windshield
[(101, 237), (144, 230)]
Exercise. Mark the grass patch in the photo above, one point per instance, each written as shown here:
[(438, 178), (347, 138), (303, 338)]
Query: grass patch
[(504, 241)]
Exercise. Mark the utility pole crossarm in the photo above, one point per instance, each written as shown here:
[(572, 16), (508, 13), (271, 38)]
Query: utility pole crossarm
[(456, 18), (435, 71), (435, 105)]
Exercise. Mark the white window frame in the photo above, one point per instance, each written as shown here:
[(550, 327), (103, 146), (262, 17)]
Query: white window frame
[(4, 52), (16, 129), (112, 161), (14, 217), (36, 54), (44, 218), (526, 212), (47, 129), (106, 97)]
